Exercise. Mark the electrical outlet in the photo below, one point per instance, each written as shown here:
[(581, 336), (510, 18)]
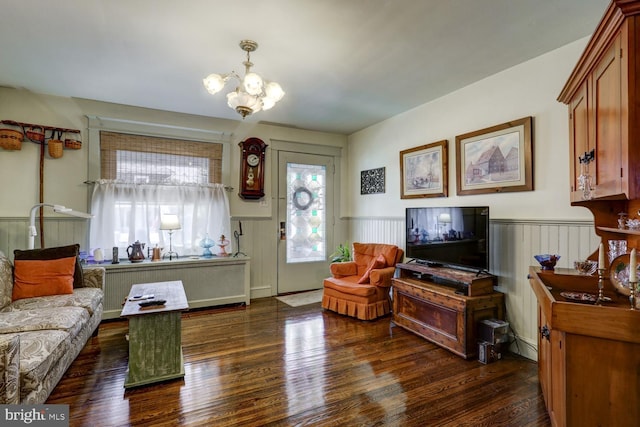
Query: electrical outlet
[(264, 203)]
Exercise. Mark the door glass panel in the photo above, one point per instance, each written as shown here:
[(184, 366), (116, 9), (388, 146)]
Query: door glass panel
[(306, 213)]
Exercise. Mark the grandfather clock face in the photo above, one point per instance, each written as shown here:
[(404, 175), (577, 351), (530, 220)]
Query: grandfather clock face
[(252, 157)]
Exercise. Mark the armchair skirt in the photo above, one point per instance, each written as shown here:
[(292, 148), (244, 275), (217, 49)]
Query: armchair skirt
[(346, 296)]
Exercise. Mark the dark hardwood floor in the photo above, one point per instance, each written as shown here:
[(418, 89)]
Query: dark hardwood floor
[(271, 364)]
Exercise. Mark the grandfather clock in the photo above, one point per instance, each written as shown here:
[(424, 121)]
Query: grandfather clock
[(252, 168)]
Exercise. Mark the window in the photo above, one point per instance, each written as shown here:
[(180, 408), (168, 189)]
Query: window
[(145, 177), (139, 159)]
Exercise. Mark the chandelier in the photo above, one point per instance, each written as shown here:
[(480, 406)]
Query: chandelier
[(253, 92)]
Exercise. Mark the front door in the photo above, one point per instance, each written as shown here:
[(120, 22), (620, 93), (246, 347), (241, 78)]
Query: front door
[(305, 215)]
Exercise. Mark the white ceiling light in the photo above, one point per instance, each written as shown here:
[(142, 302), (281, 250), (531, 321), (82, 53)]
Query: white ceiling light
[(253, 93)]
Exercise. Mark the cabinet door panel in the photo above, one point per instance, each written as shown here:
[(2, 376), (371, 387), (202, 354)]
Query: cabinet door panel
[(557, 410), (581, 141), (607, 104), (544, 360)]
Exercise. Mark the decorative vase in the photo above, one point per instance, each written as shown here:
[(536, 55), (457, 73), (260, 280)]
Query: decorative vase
[(207, 244), (222, 244)]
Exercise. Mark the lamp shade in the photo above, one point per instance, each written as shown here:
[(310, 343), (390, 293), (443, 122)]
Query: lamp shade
[(170, 222), (444, 218), (274, 91), (214, 83), (253, 84)]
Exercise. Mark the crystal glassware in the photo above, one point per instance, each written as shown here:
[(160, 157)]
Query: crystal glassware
[(587, 267), (616, 248)]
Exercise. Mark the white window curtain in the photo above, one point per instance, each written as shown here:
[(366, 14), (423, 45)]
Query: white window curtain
[(129, 212)]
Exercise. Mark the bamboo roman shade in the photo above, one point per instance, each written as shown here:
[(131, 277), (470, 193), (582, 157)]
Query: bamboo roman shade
[(154, 160)]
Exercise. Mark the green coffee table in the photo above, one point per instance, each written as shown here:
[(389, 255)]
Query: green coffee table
[(155, 334)]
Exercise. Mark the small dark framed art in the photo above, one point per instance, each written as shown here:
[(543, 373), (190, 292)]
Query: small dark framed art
[(372, 181)]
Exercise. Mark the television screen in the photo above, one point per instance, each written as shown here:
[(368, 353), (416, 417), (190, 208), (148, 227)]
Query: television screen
[(449, 236)]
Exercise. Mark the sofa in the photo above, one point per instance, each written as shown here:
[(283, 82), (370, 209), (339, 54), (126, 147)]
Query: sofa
[(360, 288), (41, 336)]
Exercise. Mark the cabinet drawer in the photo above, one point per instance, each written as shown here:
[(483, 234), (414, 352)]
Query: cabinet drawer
[(432, 317)]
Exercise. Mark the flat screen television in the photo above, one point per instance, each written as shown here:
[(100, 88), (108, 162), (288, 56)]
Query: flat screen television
[(456, 237)]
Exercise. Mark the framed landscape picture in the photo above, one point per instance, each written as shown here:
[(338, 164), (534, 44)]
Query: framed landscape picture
[(423, 171), (496, 160)]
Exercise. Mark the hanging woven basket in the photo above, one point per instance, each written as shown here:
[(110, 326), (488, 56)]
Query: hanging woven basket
[(11, 139), (72, 144), (55, 148), (36, 134)]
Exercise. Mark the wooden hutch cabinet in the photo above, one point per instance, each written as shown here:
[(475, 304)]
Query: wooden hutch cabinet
[(603, 95), (589, 355)]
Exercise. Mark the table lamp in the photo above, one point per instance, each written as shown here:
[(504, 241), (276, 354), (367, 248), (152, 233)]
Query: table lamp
[(443, 220), (170, 223)]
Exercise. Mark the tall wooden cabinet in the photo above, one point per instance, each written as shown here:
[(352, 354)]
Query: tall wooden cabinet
[(589, 355)]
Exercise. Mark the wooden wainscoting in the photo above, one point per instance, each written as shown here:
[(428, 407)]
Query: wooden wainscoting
[(271, 364), (58, 231)]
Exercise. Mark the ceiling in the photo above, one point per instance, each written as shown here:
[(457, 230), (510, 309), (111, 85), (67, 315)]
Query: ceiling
[(344, 64)]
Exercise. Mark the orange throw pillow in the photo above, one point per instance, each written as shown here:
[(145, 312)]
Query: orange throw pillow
[(378, 262), (37, 278), (54, 253)]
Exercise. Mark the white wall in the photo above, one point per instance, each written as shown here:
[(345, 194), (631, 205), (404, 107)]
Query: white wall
[(529, 89), (64, 177)]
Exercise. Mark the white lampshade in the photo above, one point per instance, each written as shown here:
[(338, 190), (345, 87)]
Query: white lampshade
[(267, 103), (274, 91), (169, 222), (214, 83), (444, 218), (253, 84), (242, 99)]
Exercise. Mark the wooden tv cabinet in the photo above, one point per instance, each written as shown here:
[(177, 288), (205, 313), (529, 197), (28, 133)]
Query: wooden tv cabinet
[(443, 313)]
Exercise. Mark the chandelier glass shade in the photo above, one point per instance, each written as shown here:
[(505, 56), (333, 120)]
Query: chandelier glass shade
[(253, 93)]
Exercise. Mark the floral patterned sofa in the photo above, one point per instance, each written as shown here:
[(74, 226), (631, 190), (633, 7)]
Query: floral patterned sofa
[(41, 336)]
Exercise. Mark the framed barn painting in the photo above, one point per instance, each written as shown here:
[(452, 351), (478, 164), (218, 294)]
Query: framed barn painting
[(496, 160), (424, 171)]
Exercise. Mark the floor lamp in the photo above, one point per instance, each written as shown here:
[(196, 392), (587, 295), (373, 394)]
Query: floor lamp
[(56, 208), (170, 223)]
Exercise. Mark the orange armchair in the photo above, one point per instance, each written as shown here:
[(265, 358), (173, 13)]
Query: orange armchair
[(360, 288)]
